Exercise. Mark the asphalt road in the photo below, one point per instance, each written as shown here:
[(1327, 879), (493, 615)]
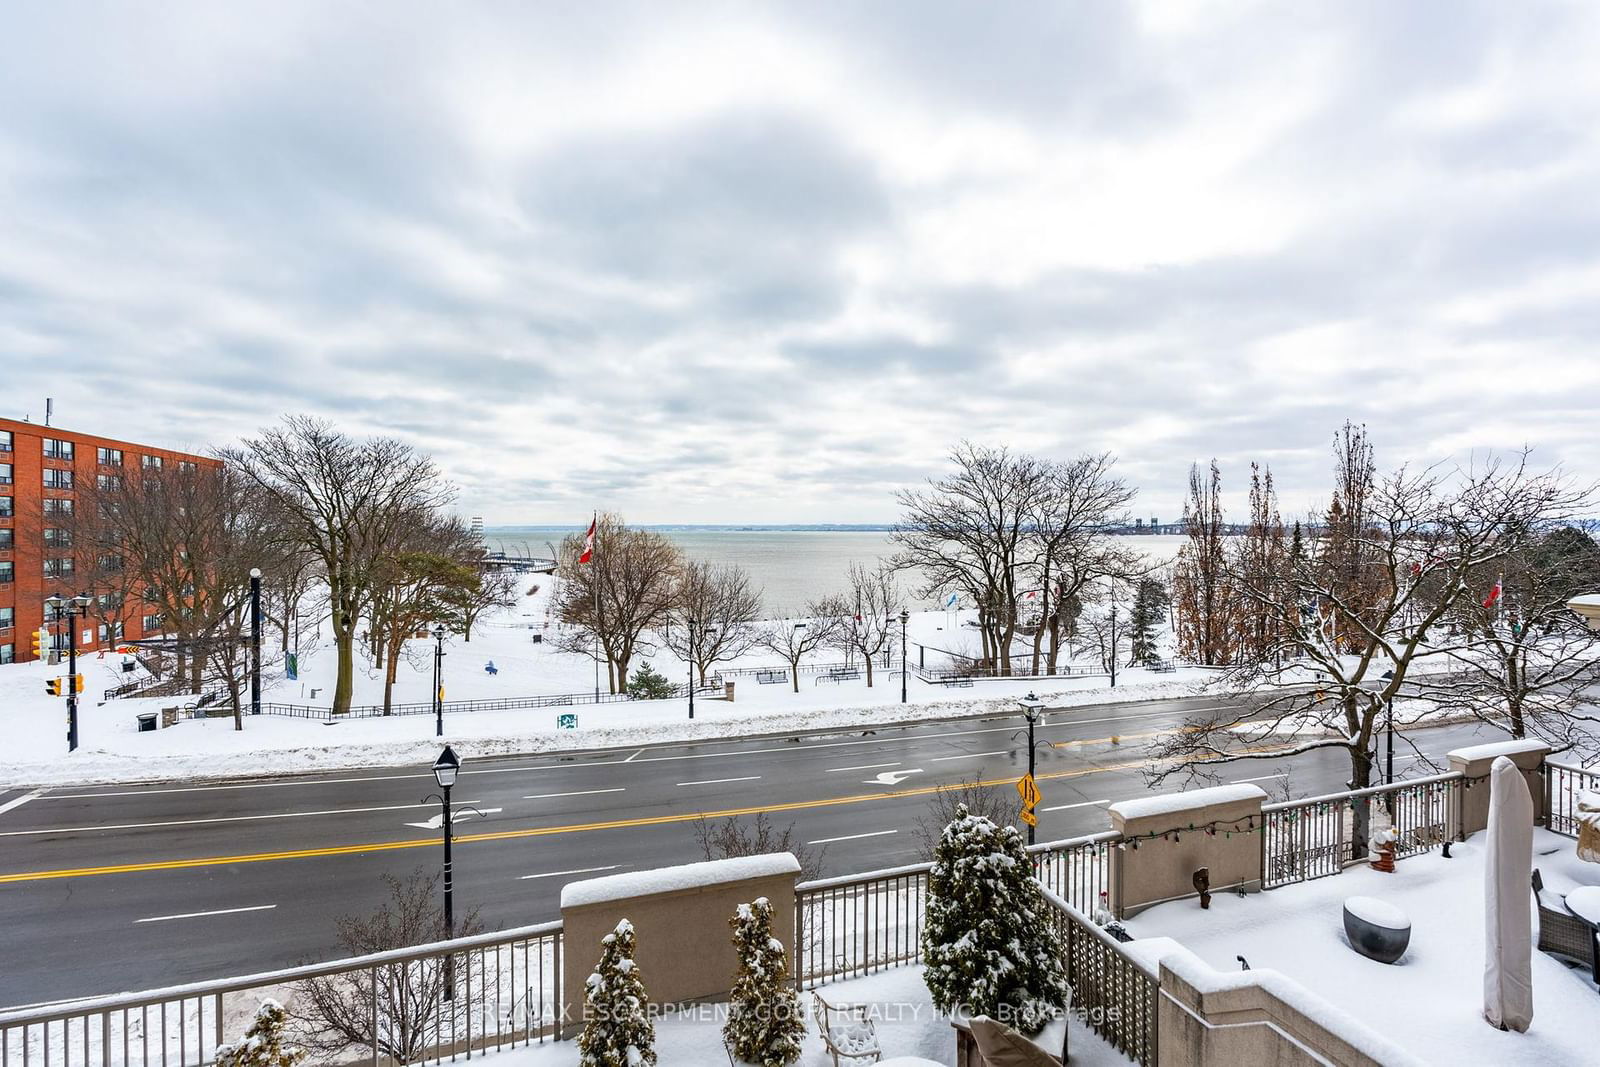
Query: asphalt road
[(107, 889)]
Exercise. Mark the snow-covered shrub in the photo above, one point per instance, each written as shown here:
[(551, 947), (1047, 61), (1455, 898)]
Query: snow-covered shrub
[(765, 1025), (989, 943), (648, 683), (262, 1045), (617, 1029)]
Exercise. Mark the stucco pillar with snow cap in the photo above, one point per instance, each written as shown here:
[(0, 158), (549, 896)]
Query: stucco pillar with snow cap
[(1474, 763), (1161, 869), (680, 917)]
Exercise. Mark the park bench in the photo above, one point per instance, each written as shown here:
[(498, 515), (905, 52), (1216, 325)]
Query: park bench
[(838, 676), (962, 681), (1163, 666), (771, 677)]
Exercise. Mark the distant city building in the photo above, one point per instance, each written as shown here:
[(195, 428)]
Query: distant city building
[(477, 528), (42, 469)]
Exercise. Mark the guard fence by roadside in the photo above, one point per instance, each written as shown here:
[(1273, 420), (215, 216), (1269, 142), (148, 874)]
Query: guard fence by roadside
[(373, 711)]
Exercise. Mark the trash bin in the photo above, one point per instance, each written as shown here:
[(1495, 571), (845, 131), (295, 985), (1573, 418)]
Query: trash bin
[(147, 721), (538, 639), (727, 691)]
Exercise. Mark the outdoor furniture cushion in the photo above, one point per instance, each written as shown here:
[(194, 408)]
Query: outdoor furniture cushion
[(1002, 1046)]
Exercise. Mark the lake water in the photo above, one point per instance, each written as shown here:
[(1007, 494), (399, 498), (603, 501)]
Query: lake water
[(790, 566)]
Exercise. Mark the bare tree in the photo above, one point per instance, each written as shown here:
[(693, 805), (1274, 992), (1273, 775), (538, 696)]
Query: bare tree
[(713, 616), (1426, 535), (618, 598), (731, 837), (468, 603), (999, 804), (347, 502), (968, 533), (795, 639), (869, 611), (1526, 661), (417, 584), (1203, 597), (336, 1013)]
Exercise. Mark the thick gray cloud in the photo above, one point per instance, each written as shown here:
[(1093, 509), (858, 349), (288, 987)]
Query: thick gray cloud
[(767, 262)]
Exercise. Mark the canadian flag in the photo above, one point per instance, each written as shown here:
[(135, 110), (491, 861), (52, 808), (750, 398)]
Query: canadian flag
[(1494, 594), (588, 541)]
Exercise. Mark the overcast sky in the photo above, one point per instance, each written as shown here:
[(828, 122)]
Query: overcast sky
[(703, 263)]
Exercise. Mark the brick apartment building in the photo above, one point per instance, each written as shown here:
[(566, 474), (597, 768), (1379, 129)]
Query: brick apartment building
[(42, 469)]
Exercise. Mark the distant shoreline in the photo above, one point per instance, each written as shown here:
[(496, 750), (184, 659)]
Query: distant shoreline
[(819, 527)]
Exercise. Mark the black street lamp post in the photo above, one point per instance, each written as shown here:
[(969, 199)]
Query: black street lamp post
[(696, 632), (1031, 707), (255, 640), (905, 617), (445, 770), (438, 686)]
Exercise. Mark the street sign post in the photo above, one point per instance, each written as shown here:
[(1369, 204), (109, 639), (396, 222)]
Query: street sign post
[(1028, 789)]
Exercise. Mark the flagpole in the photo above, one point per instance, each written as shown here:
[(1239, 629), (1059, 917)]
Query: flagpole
[(594, 576)]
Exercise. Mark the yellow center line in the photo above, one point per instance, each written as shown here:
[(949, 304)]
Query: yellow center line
[(546, 831)]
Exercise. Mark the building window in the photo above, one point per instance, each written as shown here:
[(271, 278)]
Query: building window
[(5, 474), (6, 536), (106, 603), (55, 506), (58, 567), (5, 440), (152, 624), (8, 618), (54, 449), (57, 479), (60, 641), (152, 462), (110, 564), (108, 457), (8, 571), (54, 538), (187, 466), (5, 507), (110, 631), (8, 654), (109, 483)]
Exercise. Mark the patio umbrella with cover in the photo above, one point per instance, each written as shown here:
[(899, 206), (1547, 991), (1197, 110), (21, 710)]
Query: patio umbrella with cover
[(1508, 877)]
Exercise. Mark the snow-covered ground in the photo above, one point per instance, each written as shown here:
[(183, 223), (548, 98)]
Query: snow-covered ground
[(113, 750), (902, 1013), (1431, 1002)]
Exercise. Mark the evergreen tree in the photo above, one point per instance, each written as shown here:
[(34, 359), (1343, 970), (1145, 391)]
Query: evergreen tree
[(263, 1042), (617, 1030), (990, 945), (765, 1025), (648, 683), (1149, 610)]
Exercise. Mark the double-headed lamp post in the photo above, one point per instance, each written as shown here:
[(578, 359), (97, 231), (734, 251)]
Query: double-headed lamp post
[(1032, 707), (71, 609), (255, 640), (438, 685), (696, 632), (905, 617)]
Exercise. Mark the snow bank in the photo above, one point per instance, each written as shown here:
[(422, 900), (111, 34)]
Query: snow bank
[(1170, 803), (672, 879)]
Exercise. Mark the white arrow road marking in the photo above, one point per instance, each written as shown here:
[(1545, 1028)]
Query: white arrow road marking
[(580, 870), (893, 777), (455, 816), (203, 914), (12, 805), (851, 837)]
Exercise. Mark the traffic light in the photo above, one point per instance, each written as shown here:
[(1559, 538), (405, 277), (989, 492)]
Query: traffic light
[(40, 639), (77, 683), (55, 686)]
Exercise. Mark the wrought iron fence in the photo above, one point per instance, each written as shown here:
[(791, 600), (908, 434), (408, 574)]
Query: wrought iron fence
[(373, 711), (1117, 994), (1313, 838), (859, 923), (385, 1008), (1079, 870), (1563, 785)]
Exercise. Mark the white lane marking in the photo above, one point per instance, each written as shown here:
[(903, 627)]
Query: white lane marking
[(203, 914), (1263, 778), (892, 777), (1082, 804), (850, 837), (455, 817), (17, 802), (580, 870), (202, 822), (719, 781), (578, 793), (633, 757), (862, 767), (970, 755)]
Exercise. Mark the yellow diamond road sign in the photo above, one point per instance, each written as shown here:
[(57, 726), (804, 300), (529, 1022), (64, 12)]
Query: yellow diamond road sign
[(1028, 790)]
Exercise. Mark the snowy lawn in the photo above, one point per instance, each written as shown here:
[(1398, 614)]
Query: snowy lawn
[(903, 1014), (112, 749), (1431, 1001)]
